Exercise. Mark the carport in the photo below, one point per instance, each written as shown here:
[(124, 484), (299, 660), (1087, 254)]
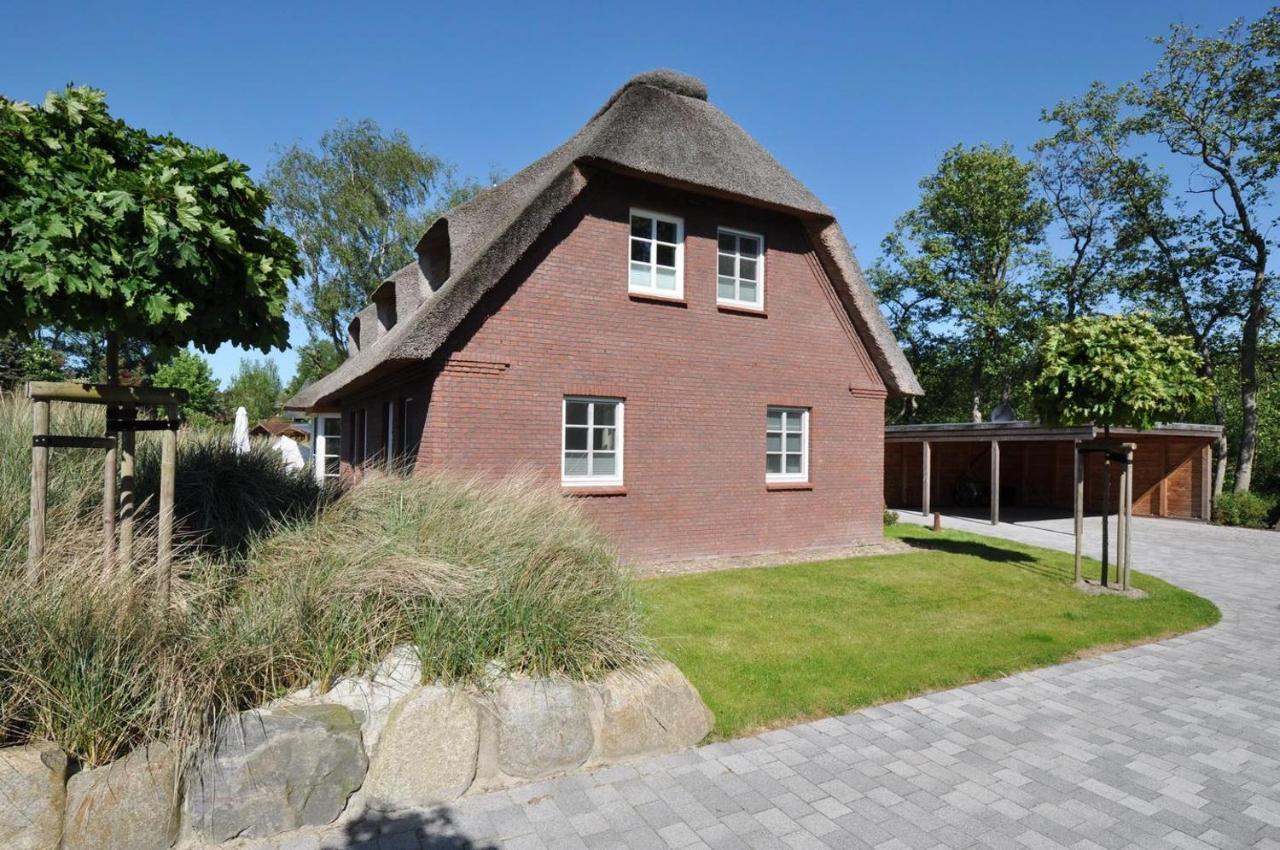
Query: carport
[(1022, 464)]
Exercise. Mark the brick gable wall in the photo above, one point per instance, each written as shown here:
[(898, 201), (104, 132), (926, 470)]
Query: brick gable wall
[(695, 380)]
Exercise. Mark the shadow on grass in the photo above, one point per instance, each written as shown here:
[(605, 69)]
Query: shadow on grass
[(434, 830), (987, 552)]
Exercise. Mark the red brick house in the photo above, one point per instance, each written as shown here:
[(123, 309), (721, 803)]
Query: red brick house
[(657, 316)]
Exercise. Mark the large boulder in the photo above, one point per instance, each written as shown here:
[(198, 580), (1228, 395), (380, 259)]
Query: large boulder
[(427, 753), (130, 804), (541, 727), (370, 698), (32, 796), (647, 711), (269, 772)]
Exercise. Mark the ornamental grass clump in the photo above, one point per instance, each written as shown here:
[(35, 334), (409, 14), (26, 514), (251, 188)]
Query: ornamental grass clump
[(473, 573), (298, 588)]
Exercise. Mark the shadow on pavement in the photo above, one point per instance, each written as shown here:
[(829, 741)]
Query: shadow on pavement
[(433, 830)]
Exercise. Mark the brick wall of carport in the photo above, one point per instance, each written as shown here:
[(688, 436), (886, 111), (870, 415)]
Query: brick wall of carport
[(1169, 474)]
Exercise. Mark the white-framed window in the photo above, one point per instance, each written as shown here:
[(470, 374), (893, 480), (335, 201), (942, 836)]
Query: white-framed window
[(656, 254), (327, 452), (591, 441), (786, 450), (740, 268)]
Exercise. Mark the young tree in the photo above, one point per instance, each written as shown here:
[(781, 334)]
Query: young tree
[(191, 372), (356, 208), (1216, 100), (316, 358), (960, 265), (108, 230), (257, 388)]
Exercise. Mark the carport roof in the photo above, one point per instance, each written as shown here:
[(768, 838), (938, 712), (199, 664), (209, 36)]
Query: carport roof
[(976, 431)]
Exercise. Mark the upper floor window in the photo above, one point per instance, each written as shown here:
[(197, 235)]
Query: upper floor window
[(740, 268), (592, 450), (786, 449), (657, 254)]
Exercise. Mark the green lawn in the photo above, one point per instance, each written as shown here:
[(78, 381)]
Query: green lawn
[(771, 646)]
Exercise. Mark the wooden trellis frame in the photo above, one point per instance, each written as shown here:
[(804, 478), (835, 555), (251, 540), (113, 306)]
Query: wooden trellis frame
[(122, 405)]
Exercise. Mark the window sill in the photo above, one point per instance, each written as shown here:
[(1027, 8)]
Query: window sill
[(655, 298), (782, 486), (742, 309), (587, 490)]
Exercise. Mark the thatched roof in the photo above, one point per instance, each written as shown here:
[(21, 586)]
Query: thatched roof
[(658, 126)]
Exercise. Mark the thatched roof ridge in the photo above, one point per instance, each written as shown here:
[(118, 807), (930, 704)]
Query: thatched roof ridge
[(658, 126)]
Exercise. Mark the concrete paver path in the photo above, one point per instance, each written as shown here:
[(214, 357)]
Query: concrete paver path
[(1174, 744)]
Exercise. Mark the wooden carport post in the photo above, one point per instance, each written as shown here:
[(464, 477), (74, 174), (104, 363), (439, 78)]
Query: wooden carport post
[(926, 453), (1078, 497), (995, 482)]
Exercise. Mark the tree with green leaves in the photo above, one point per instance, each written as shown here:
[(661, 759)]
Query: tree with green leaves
[(257, 388), (110, 230), (189, 371), (962, 268), (1115, 371), (1162, 256), (1216, 101), (357, 206), (316, 358)]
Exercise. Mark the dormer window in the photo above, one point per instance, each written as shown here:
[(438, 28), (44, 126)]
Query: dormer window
[(657, 255), (740, 269), (387, 311), (353, 335)]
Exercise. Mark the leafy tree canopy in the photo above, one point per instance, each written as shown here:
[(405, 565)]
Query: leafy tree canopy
[(191, 372), (357, 206), (1115, 371), (257, 388), (111, 230)]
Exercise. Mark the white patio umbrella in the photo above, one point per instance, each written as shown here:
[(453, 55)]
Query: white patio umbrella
[(240, 433)]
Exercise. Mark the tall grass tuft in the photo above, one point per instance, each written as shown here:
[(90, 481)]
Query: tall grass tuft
[(281, 585)]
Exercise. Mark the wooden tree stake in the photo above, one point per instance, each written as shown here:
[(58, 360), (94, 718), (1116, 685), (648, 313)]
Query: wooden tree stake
[(168, 470), (39, 483), (128, 441)]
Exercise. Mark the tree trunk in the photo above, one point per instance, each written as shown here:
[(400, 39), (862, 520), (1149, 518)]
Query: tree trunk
[(976, 411), (1249, 389), (1220, 446)]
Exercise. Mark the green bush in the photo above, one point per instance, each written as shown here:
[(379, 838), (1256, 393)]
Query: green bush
[(1247, 510), (890, 517), (279, 586)]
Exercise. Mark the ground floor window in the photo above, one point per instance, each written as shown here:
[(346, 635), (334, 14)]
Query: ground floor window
[(328, 447), (786, 452), (592, 441)]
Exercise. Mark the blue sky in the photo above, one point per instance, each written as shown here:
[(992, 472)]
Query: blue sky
[(857, 99)]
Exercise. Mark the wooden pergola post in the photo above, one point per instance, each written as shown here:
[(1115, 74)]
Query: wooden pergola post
[(1077, 490), (1206, 482), (995, 482), (926, 452)]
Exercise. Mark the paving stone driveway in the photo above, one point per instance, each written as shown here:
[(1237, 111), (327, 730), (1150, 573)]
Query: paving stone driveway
[(1175, 744)]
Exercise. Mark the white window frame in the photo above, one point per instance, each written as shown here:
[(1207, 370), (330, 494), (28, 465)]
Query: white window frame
[(784, 477), (619, 422), (320, 450), (758, 304), (652, 289)]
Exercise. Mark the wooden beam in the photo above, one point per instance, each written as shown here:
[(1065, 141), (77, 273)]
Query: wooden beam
[(104, 394), (39, 484), (995, 482), (54, 441), (926, 460)]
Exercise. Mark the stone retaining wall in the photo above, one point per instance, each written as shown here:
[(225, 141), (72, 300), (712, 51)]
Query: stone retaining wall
[(384, 743)]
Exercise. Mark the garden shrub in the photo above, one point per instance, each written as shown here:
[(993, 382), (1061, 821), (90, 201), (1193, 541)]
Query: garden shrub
[(890, 517), (1247, 510)]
